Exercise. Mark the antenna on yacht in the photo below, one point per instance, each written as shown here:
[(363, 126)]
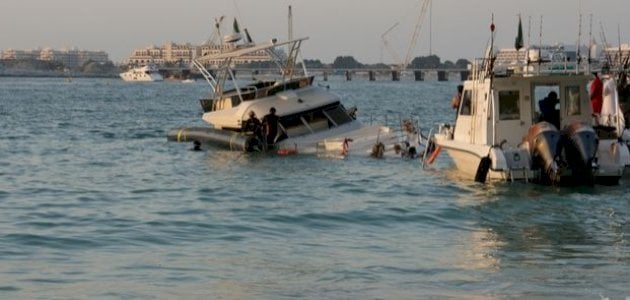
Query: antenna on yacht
[(491, 89), (430, 28), (605, 42), (529, 38), (590, 42), (578, 58), (290, 23), (620, 53), (491, 53), (540, 43)]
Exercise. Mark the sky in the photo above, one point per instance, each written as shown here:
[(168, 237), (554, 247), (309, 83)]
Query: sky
[(459, 28)]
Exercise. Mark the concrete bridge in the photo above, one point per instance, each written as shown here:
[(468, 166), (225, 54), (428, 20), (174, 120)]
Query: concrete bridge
[(346, 74)]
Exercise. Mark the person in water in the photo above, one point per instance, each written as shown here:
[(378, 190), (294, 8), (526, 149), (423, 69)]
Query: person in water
[(411, 139), (270, 127), (253, 125), (196, 146)]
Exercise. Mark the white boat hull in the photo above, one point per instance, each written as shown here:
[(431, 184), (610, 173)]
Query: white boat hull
[(358, 139), (143, 74), (467, 159), (612, 159)]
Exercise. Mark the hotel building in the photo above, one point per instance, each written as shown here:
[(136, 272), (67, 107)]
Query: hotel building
[(69, 58), (183, 54)]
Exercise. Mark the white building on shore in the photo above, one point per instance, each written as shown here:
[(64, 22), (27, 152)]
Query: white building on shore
[(183, 54), (70, 58)]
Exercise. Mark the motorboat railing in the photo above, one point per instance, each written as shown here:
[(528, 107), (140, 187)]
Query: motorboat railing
[(253, 92)]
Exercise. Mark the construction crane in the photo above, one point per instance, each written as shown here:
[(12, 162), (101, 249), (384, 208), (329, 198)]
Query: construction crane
[(402, 64)]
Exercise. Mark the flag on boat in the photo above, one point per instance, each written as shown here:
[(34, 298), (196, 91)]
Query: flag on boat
[(518, 43), (249, 37), (236, 29)]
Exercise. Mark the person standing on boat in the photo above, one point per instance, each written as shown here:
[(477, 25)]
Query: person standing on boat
[(457, 99), (270, 127), (548, 110), (596, 90)]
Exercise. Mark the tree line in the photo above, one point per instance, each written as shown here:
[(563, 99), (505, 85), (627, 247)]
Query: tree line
[(420, 62)]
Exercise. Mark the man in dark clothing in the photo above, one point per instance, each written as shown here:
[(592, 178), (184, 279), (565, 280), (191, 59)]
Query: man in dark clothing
[(253, 125), (270, 126), (548, 109)]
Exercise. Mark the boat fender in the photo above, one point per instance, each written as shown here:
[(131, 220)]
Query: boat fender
[(434, 154), (483, 169)]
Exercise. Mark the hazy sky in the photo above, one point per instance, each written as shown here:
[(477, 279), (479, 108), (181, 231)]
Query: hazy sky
[(335, 27)]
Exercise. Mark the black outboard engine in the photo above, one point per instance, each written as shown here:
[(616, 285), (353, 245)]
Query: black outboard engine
[(580, 147), (543, 139)]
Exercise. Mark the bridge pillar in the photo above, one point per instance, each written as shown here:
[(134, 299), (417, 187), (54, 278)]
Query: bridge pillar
[(463, 75), (442, 76), (325, 76), (395, 75), (418, 75), (348, 76), (371, 75)]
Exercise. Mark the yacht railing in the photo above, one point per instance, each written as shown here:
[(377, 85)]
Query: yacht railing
[(209, 78)]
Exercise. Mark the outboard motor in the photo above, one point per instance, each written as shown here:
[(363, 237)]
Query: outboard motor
[(580, 147), (543, 139)]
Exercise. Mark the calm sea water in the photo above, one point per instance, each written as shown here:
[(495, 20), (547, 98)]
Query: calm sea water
[(94, 203)]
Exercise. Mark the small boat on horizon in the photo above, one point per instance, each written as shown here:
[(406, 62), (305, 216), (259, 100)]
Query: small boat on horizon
[(148, 73)]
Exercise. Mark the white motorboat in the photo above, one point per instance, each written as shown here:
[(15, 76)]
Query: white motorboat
[(145, 73), (312, 119), (505, 131)]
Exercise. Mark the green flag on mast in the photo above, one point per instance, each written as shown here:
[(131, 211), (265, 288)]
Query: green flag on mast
[(518, 43), (236, 29)]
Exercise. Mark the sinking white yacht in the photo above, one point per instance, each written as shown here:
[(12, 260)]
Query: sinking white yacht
[(145, 73), (532, 121), (312, 119)]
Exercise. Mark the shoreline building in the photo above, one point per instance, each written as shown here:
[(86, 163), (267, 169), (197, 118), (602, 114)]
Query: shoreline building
[(618, 56), (70, 58), (183, 54)]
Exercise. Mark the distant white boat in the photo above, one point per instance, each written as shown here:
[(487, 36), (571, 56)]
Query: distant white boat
[(189, 80), (146, 73)]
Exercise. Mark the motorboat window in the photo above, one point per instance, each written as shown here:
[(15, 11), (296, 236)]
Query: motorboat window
[(572, 102), (317, 121), (465, 108), (294, 125), (509, 108), (338, 115)]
